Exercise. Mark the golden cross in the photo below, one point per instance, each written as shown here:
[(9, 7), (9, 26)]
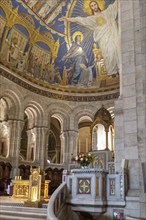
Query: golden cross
[(84, 186)]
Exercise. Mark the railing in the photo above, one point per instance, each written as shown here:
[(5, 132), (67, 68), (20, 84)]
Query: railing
[(57, 204), (55, 165), (134, 218)]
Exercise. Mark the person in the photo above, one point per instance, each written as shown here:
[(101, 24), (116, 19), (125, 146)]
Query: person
[(87, 76), (31, 3), (105, 31), (44, 10), (76, 56), (50, 17), (13, 49), (21, 62)]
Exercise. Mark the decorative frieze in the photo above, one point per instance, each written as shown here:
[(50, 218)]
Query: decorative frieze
[(110, 94)]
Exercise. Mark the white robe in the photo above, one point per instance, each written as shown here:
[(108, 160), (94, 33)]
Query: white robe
[(106, 35), (31, 3)]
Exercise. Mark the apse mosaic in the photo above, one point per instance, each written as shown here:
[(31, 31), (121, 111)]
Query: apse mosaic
[(68, 44)]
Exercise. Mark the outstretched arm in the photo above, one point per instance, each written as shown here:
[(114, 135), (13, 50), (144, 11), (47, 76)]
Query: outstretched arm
[(113, 9), (88, 22), (67, 19)]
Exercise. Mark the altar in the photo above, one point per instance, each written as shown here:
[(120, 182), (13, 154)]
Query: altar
[(87, 187), (35, 190), (98, 186)]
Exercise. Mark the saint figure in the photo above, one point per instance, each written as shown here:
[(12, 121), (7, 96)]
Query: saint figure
[(105, 31)]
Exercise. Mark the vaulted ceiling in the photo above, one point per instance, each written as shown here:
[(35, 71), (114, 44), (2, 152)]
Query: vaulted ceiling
[(59, 54)]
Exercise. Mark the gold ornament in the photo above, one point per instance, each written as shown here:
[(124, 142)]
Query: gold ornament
[(100, 21), (87, 9), (77, 33)]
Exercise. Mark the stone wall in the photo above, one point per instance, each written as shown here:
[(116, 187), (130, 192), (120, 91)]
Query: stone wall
[(130, 120), (130, 108)]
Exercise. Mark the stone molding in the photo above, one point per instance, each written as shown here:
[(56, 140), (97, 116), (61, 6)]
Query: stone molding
[(88, 170)]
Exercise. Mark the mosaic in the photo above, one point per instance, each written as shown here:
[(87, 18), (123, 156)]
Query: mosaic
[(67, 45)]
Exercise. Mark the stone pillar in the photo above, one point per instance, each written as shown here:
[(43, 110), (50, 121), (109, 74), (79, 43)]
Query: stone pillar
[(130, 117), (106, 131), (58, 154), (69, 143), (62, 139), (44, 133), (16, 127), (38, 144), (127, 101), (28, 145), (31, 144), (112, 136), (73, 143), (119, 134), (94, 138)]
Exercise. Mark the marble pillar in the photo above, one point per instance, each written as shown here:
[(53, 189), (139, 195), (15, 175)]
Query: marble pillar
[(69, 144), (16, 127)]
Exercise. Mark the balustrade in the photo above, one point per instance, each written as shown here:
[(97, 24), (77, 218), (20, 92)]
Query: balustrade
[(57, 209)]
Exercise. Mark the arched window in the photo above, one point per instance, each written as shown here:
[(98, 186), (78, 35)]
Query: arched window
[(102, 131)]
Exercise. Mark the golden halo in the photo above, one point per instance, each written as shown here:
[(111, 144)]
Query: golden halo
[(87, 9), (76, 34)]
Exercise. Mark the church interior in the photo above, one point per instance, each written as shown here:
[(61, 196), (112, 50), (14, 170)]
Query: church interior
[(73, 109)]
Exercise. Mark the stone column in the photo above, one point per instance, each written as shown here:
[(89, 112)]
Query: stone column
[(130, 117), (112, 144), (73, 143), (119, 134), (127, 102), (69, 140), (106, 131), (62, 153), (44, 133), (94, 138), (58, 154), (16, 127), (32, 139), (38, 144), (28, 145)]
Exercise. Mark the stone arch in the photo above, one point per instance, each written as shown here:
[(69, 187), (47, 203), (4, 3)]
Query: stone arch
[(13, 98), (79, 112), (61, 112), (35, 113), (56, 134), (13, 109)]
